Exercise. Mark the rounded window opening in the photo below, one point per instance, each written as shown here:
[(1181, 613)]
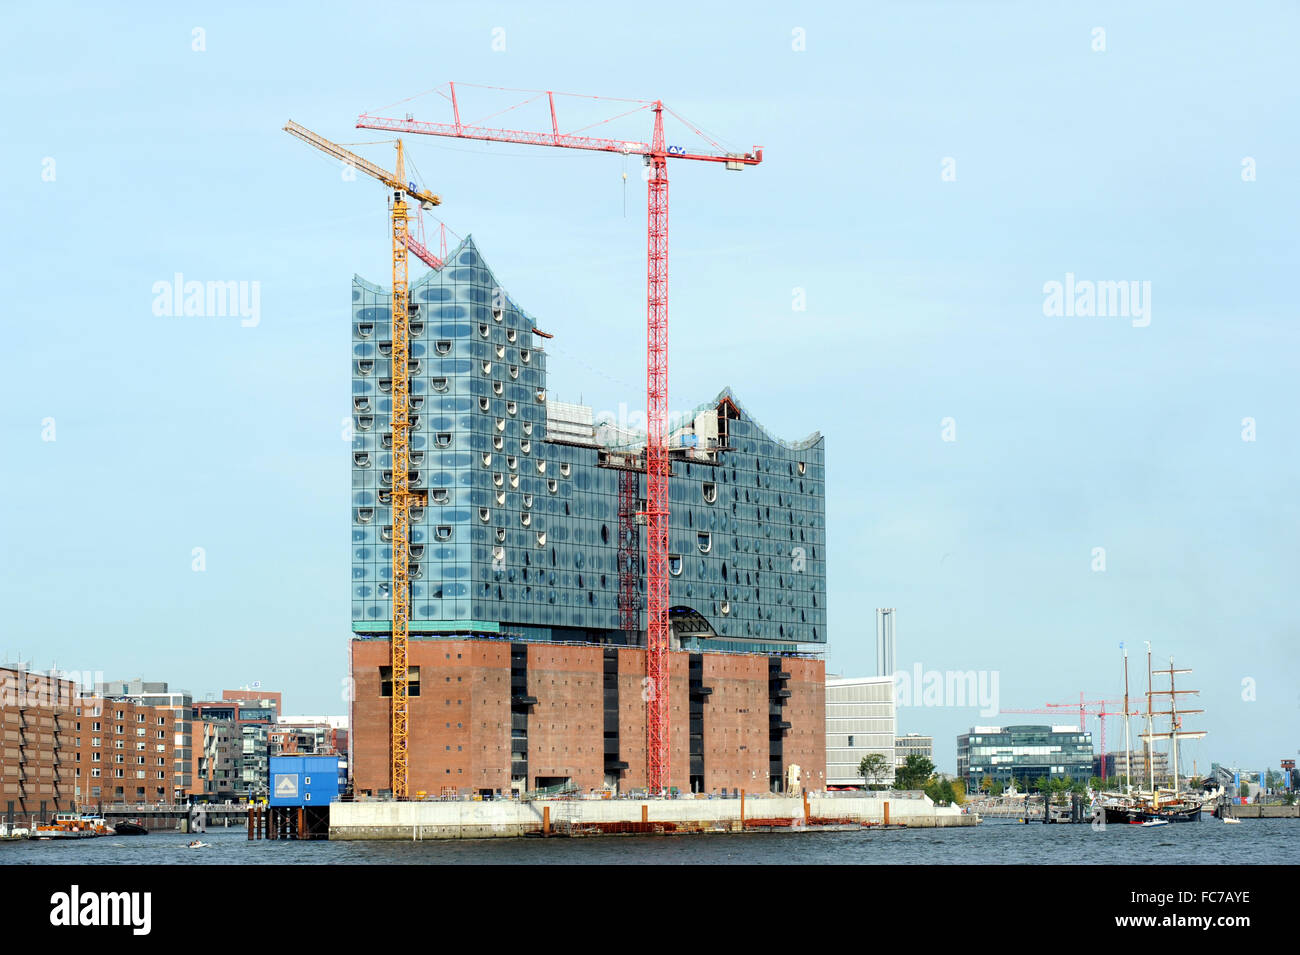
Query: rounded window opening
[(704, 542), (442, 439), (439, 495), (497, 387), (442, 532), (675, 564), (710, 491), (442, 347)]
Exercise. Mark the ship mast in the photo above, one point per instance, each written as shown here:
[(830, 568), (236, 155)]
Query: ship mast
[(1128, 745), (1151, 774), (1175, 722)]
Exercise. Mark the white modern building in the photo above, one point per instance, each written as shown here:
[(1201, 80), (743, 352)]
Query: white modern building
[(859, 720)]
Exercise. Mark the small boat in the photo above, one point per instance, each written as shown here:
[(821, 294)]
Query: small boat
[(1154, 822), (1230, 821), (72, 825), (196, 844), (130, 829)]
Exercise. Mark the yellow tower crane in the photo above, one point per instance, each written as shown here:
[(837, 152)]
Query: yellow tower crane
[(402, 496)]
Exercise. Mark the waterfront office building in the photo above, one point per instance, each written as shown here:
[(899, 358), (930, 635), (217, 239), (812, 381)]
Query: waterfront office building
[(859, 720), (519, 556), (1023, 754)]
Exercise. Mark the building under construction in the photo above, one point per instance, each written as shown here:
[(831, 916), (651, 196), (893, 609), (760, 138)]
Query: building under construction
[(527, 605)]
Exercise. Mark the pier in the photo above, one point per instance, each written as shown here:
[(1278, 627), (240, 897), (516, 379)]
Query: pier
[(573, 817)]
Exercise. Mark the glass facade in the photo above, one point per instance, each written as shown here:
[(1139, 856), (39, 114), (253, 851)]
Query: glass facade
[(520, 534), (1023, 754)]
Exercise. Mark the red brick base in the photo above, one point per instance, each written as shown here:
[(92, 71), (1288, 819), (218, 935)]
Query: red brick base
[(460, 724)]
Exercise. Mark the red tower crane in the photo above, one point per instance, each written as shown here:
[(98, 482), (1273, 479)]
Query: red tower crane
[(656, 154), (1084, 707)]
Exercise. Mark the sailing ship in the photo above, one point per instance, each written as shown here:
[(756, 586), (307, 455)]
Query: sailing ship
[(1155, 804)]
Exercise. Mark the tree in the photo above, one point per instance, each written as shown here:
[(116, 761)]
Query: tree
[(874, 768), (914, 772), (1243, 790)]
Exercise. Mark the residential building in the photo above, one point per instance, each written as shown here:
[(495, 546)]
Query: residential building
[(179, 703), (37, 753), (125, 752)]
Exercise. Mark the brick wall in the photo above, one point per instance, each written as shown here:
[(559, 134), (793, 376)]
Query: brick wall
[(460, 723)]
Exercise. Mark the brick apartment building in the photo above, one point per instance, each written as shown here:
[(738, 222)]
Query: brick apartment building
[(36, 749), (62, 751), (124, 752)]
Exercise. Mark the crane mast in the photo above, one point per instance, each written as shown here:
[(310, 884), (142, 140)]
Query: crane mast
[(400, 425), (402, 496), (657, 465)]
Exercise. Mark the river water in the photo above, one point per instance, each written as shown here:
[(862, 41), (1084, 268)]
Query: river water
[(1209, 842)]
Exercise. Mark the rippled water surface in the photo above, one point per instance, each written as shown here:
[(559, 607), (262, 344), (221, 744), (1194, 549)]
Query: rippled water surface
[(1207, 842)]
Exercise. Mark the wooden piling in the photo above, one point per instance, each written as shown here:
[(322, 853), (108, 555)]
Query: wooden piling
[(546, 820), (886, 812)]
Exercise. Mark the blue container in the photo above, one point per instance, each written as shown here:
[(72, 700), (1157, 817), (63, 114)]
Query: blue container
[(304, 780)]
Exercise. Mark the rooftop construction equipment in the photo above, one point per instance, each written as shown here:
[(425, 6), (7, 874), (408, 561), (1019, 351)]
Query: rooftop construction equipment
[(656, 154)]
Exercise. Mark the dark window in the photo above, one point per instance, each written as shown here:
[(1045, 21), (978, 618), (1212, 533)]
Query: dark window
[(386, 681)]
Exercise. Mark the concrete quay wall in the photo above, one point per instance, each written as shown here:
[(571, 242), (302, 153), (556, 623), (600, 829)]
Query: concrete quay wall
[(477, 820)]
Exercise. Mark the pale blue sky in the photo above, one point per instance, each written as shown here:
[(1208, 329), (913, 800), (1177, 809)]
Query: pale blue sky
[(924, 301)]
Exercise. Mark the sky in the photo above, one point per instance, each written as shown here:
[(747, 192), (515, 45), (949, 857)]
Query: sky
[(1029, 487)]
